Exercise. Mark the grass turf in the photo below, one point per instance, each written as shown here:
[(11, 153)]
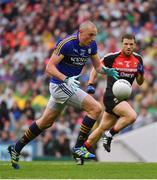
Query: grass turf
[(68, 170)]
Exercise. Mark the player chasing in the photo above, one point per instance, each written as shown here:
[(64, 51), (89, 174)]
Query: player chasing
[(118, 114), (64, 67)]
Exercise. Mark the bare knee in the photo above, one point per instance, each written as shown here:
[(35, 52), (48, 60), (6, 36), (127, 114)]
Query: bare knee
[(47, 119), (44, 123), (96, 110), (132, 117)]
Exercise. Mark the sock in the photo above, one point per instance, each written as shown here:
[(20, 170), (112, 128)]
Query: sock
[(113, 131), (87, 145), (28, 136), (85, 128)]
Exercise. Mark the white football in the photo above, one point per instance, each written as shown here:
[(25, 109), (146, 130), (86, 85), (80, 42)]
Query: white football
[(122, 89)]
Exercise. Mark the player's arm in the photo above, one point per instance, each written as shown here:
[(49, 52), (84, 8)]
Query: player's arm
[(97, 63), (92, 78), (51, 69), (100, 68), (140, 74), (140, 79)]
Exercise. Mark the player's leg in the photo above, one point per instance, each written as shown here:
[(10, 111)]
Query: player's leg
[(107, 121), (93, 109), (51, 112), (87, 103), (126, 115), (33, 131), (110, 102)]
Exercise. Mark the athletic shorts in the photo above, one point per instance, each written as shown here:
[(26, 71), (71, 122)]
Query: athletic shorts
[(62, 95), (110, 102)]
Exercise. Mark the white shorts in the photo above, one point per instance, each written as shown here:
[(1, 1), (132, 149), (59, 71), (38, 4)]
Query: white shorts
[(61, 95)]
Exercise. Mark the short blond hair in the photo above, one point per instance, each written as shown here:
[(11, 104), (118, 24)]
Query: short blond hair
[(86, 24)]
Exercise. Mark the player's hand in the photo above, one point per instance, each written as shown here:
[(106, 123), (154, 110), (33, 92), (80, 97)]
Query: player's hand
[(90, 89), (72, 82), (110, 72), (140, 69)]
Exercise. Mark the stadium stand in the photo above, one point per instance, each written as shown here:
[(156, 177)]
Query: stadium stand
[(28, 33)]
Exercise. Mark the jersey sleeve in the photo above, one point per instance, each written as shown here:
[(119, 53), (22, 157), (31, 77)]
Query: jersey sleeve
[(61, 48), (108, 60), (140, 60), (94, 48), (139, 57)]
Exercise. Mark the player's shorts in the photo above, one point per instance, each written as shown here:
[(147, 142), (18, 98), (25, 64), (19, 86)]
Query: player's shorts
[(62, 95), (110, 102)]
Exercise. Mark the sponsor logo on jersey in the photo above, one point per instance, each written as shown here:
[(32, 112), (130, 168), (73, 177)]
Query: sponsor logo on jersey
[(127, 70), (128, 75), (78, 60)]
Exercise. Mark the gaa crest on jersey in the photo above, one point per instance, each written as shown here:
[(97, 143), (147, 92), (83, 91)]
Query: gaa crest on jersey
[(75, 50), (82, 52), (89, 51)]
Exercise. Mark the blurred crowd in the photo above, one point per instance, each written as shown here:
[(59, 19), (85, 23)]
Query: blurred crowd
[(29, 30)]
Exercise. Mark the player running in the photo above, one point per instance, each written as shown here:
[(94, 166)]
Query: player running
[(118, 114), (64, 67)]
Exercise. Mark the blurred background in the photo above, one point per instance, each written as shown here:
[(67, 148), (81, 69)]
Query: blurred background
[(29, 30)]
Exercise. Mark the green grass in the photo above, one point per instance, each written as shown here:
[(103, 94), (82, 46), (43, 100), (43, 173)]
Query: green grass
[(68, 170)]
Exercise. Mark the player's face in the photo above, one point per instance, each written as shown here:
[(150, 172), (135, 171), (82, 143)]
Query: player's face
[(88, 36), (128, 46)]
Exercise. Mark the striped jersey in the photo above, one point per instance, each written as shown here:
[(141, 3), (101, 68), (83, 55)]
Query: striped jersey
[(126, 67), (75, 56)]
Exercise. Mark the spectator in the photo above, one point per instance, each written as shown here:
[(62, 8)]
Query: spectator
[(62, 146), (21, 73), (16, 112), (29, 30), (49, 147), (29, 111), (4, 117), (143, 119)]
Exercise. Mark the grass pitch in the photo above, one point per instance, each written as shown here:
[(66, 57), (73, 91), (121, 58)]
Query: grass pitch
[(68, 170)]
